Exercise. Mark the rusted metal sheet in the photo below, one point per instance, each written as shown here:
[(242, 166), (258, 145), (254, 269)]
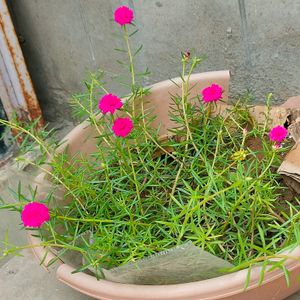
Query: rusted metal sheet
[(16, 89)]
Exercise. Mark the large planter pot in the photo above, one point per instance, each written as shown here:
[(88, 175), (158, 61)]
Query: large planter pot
[(231, 286)]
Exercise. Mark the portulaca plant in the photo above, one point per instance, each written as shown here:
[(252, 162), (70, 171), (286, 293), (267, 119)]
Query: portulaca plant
[(139, 194)]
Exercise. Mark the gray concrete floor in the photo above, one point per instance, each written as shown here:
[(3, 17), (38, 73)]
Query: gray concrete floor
[(22, 278)]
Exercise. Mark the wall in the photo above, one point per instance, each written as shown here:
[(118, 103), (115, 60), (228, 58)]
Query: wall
[(258, 41)]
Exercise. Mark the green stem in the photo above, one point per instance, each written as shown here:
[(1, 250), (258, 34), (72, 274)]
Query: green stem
[(184, 98), (261, 259), (217, 149), (92, 220), (42, 244), (132, 72), (134, 177), (126, 37)]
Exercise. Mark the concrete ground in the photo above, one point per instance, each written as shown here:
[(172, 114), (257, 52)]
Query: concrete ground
[(22, 278)]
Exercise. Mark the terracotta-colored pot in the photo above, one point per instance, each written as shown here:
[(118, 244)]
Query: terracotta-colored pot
[(230, 286)]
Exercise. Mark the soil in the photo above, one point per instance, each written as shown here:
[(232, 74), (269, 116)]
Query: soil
[(255, 144)]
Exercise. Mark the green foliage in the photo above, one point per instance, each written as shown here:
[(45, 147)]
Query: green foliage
[(142, 194)]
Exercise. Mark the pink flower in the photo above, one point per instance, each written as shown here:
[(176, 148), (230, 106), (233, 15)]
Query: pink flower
[(212, 93), (109, 103), (35, 214), (278, 134), (123, 15), (122, 127)]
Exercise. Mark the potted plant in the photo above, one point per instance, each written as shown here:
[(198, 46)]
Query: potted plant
[(167, 169)]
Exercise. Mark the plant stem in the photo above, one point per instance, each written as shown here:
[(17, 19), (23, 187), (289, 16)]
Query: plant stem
[(134, 92), (134, 177), (260, 259), (184, 98), (252, 230), (131, 66), (93, 220)]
